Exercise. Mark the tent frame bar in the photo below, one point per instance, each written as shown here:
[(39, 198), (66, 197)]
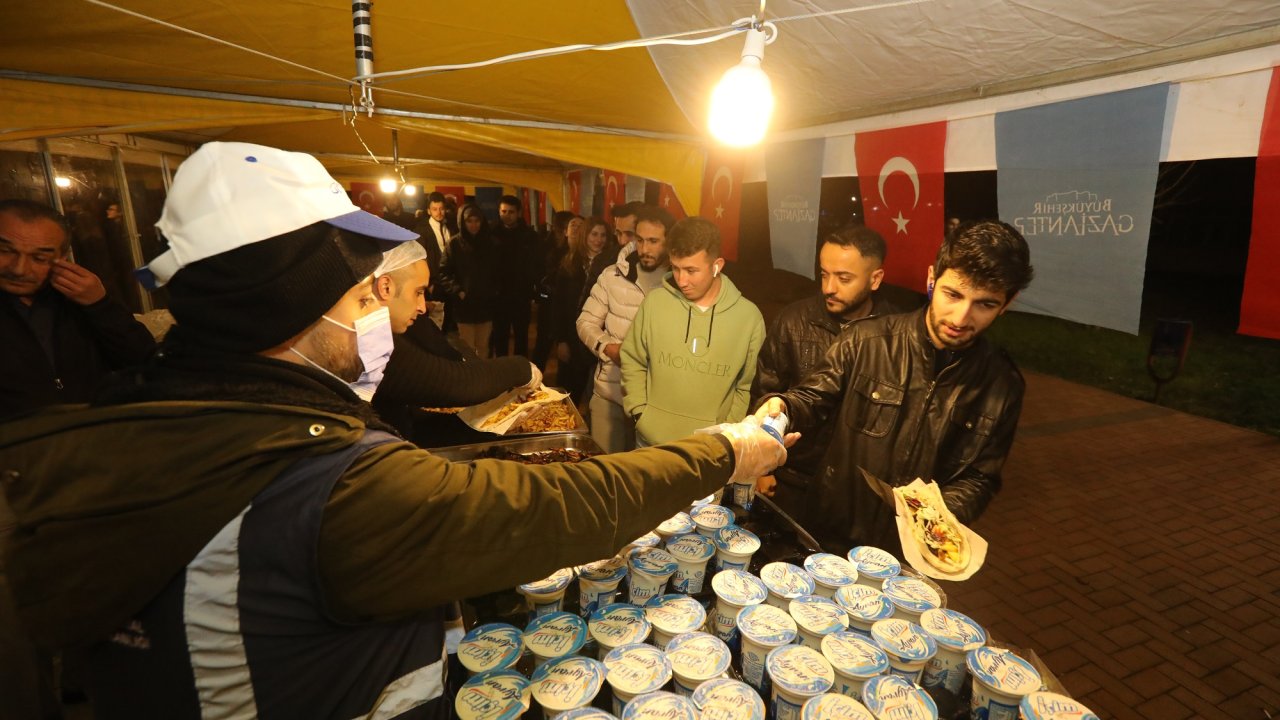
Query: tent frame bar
[(334, 107)]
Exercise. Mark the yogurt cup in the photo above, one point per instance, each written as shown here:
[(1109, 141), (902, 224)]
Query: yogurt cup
[(495, 646), (650, 570), (493, 695), (855, 659), (712, 499), (567, 683), (762, 628), (798, 674), (891, 696), (727, 699), (696, 657), (865, 606), (691, 552), (911, 597), (710, 518), (907, 646), (830, 573), (735, 590), (785, 582), (672, 615), (553, 636), (1000, 681), (734, 547), (647, 540), (598, 584), (586, 713), (546, 596), (832, 706), (743, 494), (616, 625), (1052, 706), (675, 526), (633, 670), (660, 706), (874, 565), (815, 617), (956, 634)]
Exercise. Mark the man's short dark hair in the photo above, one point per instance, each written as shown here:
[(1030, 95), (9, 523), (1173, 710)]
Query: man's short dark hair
[(861, 238), (436, 197), (692, 235), (30, 211), (991, 255), (560, 221), (511, 200), (651, 214), (627, 209)]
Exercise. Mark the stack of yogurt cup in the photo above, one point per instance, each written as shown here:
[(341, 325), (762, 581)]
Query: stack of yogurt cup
[(634, 670), (785, 583), (546, 596), (696, 657), (554, 636), (567, 683), (616, 625), (672, 615), (735, 590), (492, 695), (798, 674), (598, 584)]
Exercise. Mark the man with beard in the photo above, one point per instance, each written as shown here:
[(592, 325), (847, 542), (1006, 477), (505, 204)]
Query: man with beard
[(850, 270), (607, 315), (917, 395), (232, 531)]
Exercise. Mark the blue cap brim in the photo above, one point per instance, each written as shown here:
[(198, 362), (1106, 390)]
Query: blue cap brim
[(373, 226)]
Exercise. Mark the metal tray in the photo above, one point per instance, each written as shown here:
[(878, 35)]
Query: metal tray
[(579, 426), (523, 444)]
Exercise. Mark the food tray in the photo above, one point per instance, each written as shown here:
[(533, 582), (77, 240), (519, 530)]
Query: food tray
[(579, 424), (522, 444)]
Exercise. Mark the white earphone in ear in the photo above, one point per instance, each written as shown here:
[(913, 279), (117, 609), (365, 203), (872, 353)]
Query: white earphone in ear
[(715, 272)]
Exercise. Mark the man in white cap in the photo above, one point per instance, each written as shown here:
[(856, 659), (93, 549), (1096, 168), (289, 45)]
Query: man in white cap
[(232, 532)]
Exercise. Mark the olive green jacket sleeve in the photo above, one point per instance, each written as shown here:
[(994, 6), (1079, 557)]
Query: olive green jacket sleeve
[(405, 530)]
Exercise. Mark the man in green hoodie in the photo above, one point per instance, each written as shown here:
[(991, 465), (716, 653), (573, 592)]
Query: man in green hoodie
[(690, 355)]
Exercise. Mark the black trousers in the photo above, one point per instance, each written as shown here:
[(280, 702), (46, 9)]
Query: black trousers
[(510, 317), (543, 344)]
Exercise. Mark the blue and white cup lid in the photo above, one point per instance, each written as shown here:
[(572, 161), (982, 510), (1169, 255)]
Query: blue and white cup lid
[(619, 624), (874, 562), (678, 524), (799, 670), (864, 603), (647, 540), (568, 682), (555, 634), (736, 540), (911, 594), (903, 640), (604, 571), (586, 713), (893, 696), (834, 706), (691, 548), (675, 613), (698, 656), (786, 580), (727, 699), (1003, 671), (953, 630), (853, 655), (712, 517), (493, 646), (831, 570), (739, 587), (637, 668), (652, 561), (493, 695), (557, 582), (766, 625), (1052, 706), (817, 615), (660, 706)]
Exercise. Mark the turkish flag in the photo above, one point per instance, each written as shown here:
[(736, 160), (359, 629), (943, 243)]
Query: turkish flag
[(722, 197), (367, 196), (456, 192), (526, 211), (900, 173), (540, 199), (615, 192), (668, 201), (1260, 304), (574, 178)]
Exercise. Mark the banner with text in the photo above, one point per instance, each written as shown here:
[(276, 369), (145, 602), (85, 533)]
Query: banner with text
[(793, 171), (900, 177), (1260, 305), (1078, 178), (722, 196)]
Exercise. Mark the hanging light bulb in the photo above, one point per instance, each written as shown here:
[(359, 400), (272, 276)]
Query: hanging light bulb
[(742, 102), (410, 190), (61, 181), (388, 185)]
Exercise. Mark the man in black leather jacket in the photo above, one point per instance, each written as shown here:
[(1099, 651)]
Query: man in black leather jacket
[(920, 394), (850, 264)]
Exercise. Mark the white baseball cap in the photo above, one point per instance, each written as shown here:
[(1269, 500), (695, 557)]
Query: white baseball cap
[(228, 195)]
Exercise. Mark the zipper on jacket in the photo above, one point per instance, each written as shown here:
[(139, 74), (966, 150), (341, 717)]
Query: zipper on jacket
[(57, 383)]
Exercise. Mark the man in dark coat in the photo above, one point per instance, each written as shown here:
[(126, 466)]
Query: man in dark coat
[(518, 273)]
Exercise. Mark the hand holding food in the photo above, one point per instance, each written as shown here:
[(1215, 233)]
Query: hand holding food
[(938, 534)]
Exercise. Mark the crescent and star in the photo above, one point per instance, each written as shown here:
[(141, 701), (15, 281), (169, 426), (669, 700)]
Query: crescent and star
[(900, 164), (728, 176)]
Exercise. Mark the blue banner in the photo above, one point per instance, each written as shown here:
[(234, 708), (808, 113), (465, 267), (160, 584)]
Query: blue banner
[(1078, 178), (793, 174), (488, 199)]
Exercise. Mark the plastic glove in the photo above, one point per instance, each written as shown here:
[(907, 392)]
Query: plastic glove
[(755, 451), (535, 378)]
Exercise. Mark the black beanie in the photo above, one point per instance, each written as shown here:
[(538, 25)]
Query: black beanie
[(257, 296)]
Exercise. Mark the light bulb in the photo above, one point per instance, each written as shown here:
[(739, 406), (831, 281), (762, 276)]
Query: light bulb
[(388, 185), (742, 101), (62, 182), (410, 190)]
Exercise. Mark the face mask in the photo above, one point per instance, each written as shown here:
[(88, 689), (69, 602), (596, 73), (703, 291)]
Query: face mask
[(374, 343)]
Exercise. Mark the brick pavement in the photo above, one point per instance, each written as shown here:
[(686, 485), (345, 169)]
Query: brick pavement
[(1136, 550)]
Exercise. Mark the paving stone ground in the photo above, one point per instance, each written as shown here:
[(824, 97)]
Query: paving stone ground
[(1136, 550)]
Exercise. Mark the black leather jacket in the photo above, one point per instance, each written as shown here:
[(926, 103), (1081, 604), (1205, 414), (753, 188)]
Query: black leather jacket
[(898, 421), (797, 340)]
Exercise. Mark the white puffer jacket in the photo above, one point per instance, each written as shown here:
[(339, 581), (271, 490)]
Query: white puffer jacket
[(606, 316)]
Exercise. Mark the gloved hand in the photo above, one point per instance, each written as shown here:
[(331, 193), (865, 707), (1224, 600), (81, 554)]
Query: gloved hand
[(755, 451), (535, 378)]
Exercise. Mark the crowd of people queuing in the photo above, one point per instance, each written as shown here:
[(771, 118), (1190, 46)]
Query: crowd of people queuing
[(308, 334)]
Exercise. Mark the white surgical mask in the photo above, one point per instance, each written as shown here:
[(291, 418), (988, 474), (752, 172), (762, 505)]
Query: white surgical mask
[(374, 342)]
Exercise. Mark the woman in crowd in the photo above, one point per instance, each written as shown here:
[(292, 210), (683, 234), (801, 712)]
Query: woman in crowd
[(470, 266), (551, 251), (574, 279)]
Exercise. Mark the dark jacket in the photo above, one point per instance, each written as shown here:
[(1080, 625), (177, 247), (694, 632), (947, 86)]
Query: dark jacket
[(898, 421), (88, 342), (797, 339), (520, 262), (441, 287), (470, 267)]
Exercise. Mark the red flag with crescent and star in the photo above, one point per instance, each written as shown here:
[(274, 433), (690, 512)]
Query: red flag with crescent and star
[(526, 209), (722, 197), (668, 201), (1260, 301), (574, 180), (457, 192), (900, 173), (367, 196), (615, 192)]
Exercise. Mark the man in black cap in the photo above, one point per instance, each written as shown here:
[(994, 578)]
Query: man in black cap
[(231, 531)]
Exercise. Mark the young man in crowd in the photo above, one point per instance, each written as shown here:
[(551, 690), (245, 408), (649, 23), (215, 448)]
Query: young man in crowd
[(435, 237), (917, 395), (688, 359), (519, 270)]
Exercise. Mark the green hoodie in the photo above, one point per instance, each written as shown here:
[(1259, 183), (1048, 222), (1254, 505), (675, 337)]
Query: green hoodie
[(685, 368)]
